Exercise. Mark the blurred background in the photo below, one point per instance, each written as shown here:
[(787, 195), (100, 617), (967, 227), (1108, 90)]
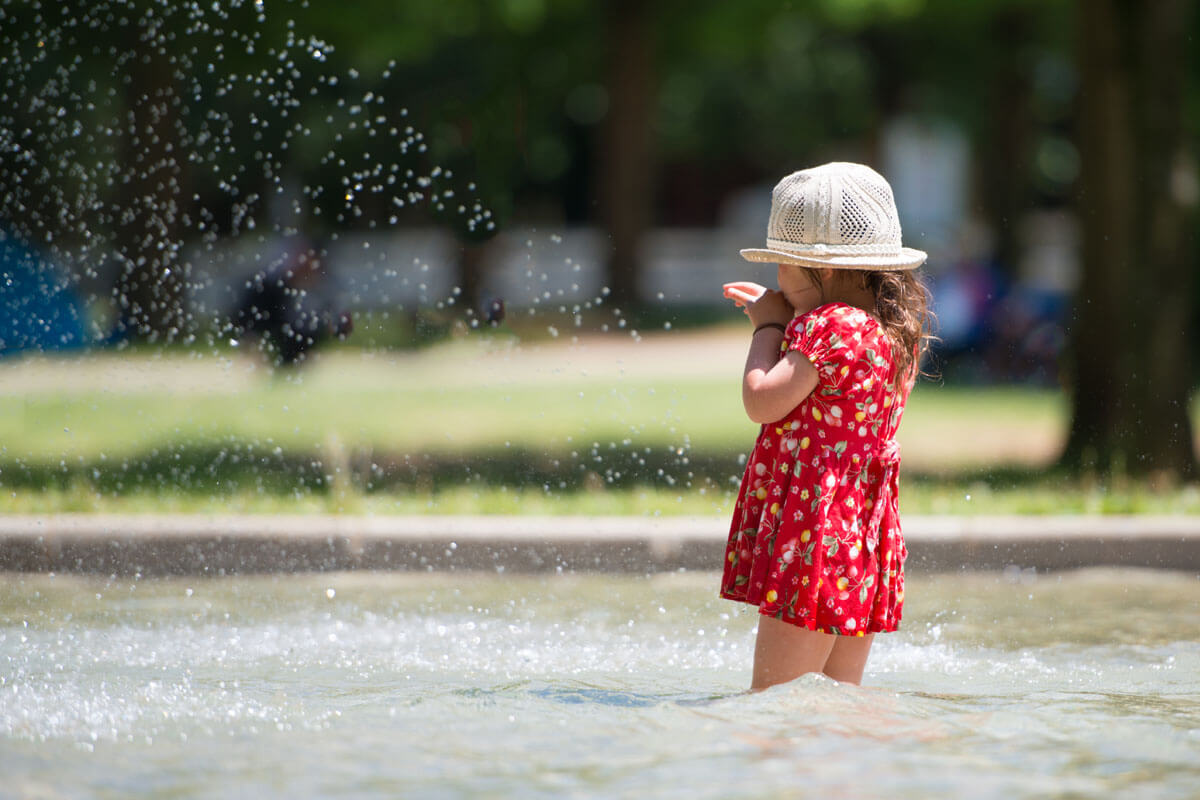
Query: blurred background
[(320, 210)]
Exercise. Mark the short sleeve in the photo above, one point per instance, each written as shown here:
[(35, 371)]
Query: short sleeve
[(824, 336)]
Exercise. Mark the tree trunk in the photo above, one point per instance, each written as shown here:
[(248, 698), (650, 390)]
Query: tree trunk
[(150, 282), (1006, 165), (471, 264), (1132, 363), (626, 180)]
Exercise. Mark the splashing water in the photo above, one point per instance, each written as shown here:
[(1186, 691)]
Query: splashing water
[(146, 139), (586, 685), (167, 159)]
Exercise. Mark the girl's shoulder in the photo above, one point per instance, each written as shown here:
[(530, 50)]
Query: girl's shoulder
[(840, 332), (841, 317)]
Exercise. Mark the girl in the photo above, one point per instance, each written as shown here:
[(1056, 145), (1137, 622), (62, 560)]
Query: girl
[(815, 541)]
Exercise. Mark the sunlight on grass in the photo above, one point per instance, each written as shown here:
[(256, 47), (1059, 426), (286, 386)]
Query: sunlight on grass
[(463, 429), (387, 408)]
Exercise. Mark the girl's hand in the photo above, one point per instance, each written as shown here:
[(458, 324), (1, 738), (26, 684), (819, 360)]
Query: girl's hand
[(761, 304)]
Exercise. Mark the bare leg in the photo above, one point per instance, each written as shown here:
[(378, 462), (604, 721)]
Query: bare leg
[(783, 651), (848, 658)]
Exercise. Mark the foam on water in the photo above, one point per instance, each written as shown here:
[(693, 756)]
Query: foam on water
[(452, 685)]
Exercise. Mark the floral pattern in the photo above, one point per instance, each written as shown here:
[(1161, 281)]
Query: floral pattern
[(815, 538)]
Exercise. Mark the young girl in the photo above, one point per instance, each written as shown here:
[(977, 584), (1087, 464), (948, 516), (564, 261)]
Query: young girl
[(815, 541)]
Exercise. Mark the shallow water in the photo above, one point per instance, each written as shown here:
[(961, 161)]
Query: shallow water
[(382, 685)]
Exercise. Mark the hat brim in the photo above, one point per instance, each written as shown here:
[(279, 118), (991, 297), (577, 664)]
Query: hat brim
[(907, 258)]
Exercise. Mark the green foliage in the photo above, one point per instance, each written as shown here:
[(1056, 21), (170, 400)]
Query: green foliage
[(487, 82)]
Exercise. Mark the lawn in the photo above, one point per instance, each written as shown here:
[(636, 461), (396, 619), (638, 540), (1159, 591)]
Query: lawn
[(482, 425)]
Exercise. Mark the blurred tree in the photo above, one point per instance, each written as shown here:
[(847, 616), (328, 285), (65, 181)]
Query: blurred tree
[(89, 132), (150, 279), (627, 178), (482, 116), (1133, 323), (133, 130), (497, 90), (1007, 140), (982, 67)]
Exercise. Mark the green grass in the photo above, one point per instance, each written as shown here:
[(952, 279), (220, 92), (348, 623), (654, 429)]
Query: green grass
[(430, 405), (917, 497), (456, 429), (397, 416)]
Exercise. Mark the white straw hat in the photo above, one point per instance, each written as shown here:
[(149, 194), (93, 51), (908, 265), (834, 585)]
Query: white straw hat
[(838, 215)]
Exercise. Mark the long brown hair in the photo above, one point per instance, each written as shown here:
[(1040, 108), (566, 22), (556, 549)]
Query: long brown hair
[(902, 308)]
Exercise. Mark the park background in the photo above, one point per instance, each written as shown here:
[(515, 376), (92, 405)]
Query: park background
[(595, 166)]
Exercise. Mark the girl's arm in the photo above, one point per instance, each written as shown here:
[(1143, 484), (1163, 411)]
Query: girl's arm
[(771, 386)]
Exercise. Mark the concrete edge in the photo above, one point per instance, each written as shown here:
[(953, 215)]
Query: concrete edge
[(232, 544)]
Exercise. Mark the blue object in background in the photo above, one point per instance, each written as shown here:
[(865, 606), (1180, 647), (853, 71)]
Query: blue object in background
[(38, 308)]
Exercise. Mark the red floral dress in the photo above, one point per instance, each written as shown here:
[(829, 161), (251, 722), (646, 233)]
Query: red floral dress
[(816, 539)]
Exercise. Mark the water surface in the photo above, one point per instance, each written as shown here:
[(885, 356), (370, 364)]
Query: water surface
[(380, 685)]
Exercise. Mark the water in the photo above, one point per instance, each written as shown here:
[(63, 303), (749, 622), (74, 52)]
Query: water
[(379, 685), (160, 155)]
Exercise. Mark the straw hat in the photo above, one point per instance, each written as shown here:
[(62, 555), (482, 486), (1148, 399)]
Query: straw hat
[(837, 215)]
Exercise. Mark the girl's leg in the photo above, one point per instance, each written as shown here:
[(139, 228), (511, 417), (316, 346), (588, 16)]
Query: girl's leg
[(848, 658), (783, 651)]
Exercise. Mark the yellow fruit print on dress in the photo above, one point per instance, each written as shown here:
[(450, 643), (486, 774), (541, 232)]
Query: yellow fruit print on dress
[(829, 509)]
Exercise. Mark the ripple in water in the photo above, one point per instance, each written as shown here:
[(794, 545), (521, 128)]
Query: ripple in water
[(581, 684)]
